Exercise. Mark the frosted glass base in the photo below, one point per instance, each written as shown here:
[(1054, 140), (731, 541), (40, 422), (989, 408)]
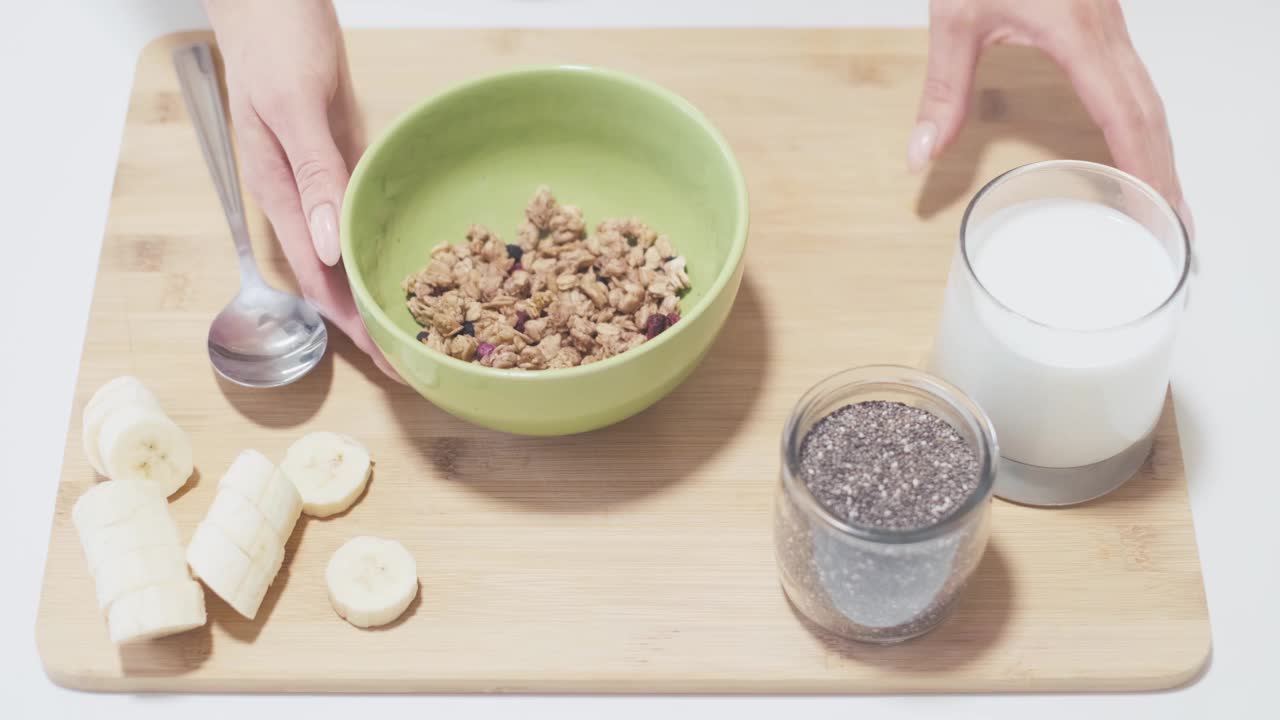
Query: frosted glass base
[(1034, 485)]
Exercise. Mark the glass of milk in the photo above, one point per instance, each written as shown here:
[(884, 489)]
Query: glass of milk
[(1059, 321)]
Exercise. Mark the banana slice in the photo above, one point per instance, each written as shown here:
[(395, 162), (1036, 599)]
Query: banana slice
[(240, 522), (156, 611), (238, 577), (371, 581), (329, 470), (108, 503), (123, 573), (135, 555), (143, 444), (124, 391), (150, 525), (255, 478)]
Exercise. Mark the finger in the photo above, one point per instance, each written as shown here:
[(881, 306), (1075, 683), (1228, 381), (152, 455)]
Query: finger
[(268, 175), (270, 180), (354, 328), (1133, 127), (1143, 90), (345, 118), (320, 173), (1133, 123), (1161, 138), (954, 45), (386, 368)]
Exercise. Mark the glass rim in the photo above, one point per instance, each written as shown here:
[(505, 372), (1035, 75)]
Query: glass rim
[(1119, 175), (986, 447)]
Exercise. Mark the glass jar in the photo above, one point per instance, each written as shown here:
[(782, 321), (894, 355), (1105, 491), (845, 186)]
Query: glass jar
[(869, 584), (1075, 406)]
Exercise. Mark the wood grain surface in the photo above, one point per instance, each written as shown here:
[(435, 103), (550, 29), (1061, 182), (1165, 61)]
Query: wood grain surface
[(638, 558)]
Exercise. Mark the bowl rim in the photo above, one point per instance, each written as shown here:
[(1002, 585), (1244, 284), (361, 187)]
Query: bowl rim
[(737, 248)]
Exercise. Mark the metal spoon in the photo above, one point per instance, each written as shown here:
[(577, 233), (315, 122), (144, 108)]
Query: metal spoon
[(264, 337)]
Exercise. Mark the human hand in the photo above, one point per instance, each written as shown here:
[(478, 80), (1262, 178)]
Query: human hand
[(295, 116), (1089, 40)]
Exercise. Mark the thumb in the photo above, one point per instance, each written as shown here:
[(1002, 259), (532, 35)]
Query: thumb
[(320, 173), (953, 55)]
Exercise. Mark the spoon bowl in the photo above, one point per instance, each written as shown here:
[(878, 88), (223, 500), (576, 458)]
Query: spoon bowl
[(266, 338)]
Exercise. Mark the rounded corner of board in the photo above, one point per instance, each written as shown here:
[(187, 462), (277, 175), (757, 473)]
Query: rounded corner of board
[(1198, 657), (68, 679)]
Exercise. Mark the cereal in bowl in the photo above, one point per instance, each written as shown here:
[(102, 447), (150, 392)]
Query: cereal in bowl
[(556, 298)]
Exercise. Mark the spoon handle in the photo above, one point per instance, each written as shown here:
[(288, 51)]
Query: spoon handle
[(203, 95)]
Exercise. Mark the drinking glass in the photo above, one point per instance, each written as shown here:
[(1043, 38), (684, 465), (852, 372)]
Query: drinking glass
[(1075, 410)]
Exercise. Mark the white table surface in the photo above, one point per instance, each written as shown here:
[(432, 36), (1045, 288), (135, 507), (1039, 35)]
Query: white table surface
[(67, 70)]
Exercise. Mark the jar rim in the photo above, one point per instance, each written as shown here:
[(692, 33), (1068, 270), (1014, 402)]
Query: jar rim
[(889, 376)]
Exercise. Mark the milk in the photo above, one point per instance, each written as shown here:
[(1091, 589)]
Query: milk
[(1066, 359)]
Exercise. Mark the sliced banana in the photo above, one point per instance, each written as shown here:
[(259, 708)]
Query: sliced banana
[(238, 577), (329, 470), (135, 555), (122, 573), (255, 478), (371, 581), (241, 522), (108, 503), (155, 611), (143, 444), (124, 391), (148, 526)]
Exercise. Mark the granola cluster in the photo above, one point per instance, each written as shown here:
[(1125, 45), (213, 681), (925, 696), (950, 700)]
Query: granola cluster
[(556, 298)]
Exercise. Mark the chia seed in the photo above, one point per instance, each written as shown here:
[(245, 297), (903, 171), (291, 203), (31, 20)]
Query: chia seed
[(885, 468)]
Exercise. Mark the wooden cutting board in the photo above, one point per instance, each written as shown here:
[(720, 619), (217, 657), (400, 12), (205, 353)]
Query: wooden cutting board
[(637, 558)]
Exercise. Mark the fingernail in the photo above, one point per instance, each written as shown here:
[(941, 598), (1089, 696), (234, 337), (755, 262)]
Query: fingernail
[(324, 234), (920, 146)]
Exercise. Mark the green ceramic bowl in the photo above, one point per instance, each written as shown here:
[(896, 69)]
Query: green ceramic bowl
[(609, 143)]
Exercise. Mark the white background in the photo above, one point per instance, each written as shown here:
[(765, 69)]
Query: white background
[(66, 70)]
